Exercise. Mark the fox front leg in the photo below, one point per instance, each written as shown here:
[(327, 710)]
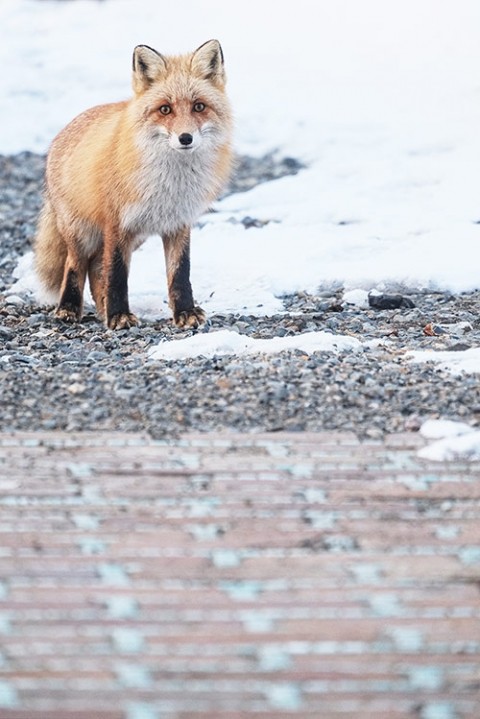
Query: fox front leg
[(180, 297), (116, 263)]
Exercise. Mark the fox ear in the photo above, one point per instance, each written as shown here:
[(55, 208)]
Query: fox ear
[(148, 66), (207, 61)]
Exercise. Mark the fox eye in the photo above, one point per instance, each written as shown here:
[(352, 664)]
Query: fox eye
[(165, 109), (199, 107)]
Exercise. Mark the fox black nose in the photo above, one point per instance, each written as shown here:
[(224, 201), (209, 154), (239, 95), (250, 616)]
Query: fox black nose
[(185, 138)]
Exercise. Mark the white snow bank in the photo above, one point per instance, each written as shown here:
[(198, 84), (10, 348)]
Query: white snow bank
[(227, 342), (456, 441), (443, 428), (455, 362)]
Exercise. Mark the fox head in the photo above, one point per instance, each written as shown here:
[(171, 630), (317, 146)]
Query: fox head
[(182, 99)]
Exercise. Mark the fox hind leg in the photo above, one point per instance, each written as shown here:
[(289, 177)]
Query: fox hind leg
[(96, 282), (70, 306)]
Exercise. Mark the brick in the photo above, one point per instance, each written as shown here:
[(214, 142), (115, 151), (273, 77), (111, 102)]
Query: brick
[(236, 577)]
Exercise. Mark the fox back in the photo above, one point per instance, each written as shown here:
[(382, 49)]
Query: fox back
[(122, 171)]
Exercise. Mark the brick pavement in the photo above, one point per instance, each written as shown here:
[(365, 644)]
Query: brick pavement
[(237, 576)]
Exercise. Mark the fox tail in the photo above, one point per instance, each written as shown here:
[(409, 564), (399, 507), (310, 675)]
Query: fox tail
[(50, 251)]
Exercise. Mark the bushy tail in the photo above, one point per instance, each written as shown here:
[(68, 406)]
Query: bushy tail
[(50, 250)]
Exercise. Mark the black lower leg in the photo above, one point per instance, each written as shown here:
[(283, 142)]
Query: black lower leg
[(117, 286), (177, 256), (180, 290), (72, 295)]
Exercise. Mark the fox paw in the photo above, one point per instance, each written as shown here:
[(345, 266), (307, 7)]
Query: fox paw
[(190, 318), (122, 321), (67, 314)]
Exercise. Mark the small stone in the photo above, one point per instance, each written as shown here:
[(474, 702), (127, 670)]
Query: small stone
[(389, 302), (77, 388), (5, 332), (14, 300)]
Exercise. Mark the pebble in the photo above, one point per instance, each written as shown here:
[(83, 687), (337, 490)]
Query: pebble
[(83, 377), (14, 300)]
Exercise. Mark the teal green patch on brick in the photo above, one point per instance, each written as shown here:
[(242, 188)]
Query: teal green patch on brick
[(127, 640), (122, 607), (203, 507), (204, 532), (413, 482), (257, 622), (470, 555), (285, 697), (438, 710), (8, 696), (299, 471), (407, 639), (5, 624), (90, 546), (426, 677), (430, 478), (313, 495), (141, 710), (367, 573), (275, 449), (91, 494), (31, 442), (273, 659), (448, 532), (386, 605), (85, 521), (225, 558), (80, 470), (113, 574), (242, 590), (133, 676), (321, 520)]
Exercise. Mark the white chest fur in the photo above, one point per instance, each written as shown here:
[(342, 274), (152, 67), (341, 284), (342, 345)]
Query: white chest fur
[(175, 187)]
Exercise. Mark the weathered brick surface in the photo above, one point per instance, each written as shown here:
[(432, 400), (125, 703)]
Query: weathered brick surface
[(237, 577)]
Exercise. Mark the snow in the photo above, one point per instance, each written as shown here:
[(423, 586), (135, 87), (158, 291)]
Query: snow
[(456, 362), (358, 298), (380, 100), (441, 428), (228, 342), (456, 441)]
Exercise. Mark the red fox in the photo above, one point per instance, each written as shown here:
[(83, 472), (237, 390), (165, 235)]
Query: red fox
[(120, 172)]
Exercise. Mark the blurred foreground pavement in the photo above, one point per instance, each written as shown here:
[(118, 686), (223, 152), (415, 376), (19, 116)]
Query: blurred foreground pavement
[(227, 576)]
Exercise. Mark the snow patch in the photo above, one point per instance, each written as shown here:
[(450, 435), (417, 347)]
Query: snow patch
[(456, 441), (467, 361), (227, 342)]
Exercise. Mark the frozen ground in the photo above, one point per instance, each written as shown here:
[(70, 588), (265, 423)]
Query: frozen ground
[(381, 100)]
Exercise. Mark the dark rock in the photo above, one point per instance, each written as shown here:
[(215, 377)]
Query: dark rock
[(389, 302)]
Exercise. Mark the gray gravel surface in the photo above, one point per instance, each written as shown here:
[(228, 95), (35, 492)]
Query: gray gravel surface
[(84, 377)]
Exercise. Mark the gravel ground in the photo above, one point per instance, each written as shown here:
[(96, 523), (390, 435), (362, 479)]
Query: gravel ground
[(84, 377)]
